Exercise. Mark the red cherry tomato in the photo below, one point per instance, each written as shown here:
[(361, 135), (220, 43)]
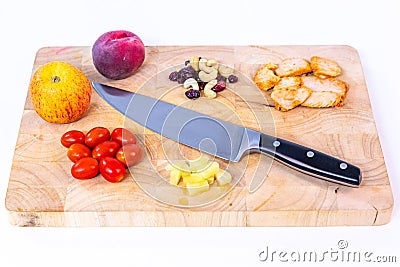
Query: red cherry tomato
[(85, 168), (105, 149), (123, 136), (96, 136), (72, 137), (78, 151), (129, 154), (112, 169)]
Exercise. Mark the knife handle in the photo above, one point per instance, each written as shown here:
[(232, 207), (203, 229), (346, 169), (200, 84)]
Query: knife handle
[(310, 161)]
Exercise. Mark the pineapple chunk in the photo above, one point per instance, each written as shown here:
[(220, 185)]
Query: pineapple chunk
[(185, 174), (211, 171), (193, 178), (198, 175), (223, 177), (175, 176), (177, 171), (197, 188)]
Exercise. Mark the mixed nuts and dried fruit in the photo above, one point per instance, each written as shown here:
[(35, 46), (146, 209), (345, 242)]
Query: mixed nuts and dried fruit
[(206, 75), (100, 150)]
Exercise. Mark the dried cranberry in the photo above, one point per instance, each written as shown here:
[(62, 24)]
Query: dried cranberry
[(233, 78), (221, 78), (173, 76), (201, 85), (220, 86), (192, 94)]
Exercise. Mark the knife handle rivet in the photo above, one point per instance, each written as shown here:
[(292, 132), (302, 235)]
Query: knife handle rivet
[(343, 166), (310, 154), (276, 143)]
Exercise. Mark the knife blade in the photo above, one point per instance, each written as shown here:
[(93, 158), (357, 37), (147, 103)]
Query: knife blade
[(223, 139)]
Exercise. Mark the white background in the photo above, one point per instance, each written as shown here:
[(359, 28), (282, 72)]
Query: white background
[(369, 26)]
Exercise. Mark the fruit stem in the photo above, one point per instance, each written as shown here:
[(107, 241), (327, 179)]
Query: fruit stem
[(55, 79)]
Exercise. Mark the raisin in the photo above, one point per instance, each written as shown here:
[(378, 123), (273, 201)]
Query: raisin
[(188, 69), (173, 76), (233, 78), (201, 85), (187, 72), (181, 79), (192, 94)]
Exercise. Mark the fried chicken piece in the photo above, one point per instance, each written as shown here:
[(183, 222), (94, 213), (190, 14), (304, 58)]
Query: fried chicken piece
[(330, 84), (293, 67), (324, 68), (322, 99), (265, 77), (287, 99), (292, 82), (328, 92)]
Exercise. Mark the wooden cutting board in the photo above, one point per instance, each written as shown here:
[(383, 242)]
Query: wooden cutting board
[(41, 191)]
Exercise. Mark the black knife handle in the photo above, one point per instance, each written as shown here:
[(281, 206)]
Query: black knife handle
[(311, 161)]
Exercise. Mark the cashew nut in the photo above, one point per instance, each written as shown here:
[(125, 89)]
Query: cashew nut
[(210, 94), (207, 89), (225, 71), (210, 85), (194, 62), (191, 83), (212, 63), (203, 66), (206, 77)]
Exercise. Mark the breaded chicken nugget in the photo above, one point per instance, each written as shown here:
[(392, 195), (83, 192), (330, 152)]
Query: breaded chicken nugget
[(293, 67), (323, 99), (292, 82), (265, 77), (288, 99), (328, 92), (329, 84), (324, 68)]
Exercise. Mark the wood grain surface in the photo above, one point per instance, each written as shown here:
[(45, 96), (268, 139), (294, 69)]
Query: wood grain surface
[(42, 192)]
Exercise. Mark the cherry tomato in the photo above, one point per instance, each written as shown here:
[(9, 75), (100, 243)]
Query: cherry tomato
[(85, 168), (123, 136), (129, 154), (96, 136), (112, 169), (72, 137), (105, 149), (78, 151)]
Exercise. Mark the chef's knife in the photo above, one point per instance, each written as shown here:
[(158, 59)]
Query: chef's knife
[(223, 139)]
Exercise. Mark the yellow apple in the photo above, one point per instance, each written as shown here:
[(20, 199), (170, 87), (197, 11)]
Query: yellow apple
[(60, 92)]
